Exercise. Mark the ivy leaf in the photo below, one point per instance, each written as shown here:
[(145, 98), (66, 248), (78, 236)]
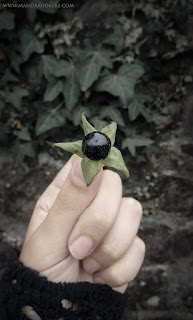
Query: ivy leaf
[(115, 160), (31, 14), (110, 131), (22, 134), (137, 105), (78, 52), (7, 20), (15, 60), (89, 68), (55, 67), (15, 96), (30, 43), (113, 113), (73, 147), (90, 169), (121, 84), (52, 91), (34, 73), (71, 87), (20, 150), (49, 119), (137, 141), (116, 38), (9, 77), (87, 127), (4, 132)]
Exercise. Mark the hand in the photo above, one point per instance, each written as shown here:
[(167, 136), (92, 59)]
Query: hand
[(79, 233)]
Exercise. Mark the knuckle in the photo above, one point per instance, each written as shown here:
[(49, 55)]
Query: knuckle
[(101, 219), (114, 177), (136, 205), (110, 253), (117, 278), (39, 203), (140, 244)]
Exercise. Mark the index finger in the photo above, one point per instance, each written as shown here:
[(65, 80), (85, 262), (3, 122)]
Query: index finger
[(48, 198)]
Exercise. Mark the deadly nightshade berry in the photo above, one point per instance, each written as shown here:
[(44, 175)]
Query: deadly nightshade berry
[(96, 149), (96, 146)]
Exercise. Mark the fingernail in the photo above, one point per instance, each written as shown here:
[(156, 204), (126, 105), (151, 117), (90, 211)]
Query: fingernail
[(77, 175), (81, 247), (99, 280), (91, 265)]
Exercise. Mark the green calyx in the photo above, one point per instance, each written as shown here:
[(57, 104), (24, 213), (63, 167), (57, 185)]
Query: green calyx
[(91, 168)]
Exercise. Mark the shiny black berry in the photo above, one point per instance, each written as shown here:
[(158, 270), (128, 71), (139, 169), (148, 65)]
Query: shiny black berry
[(96, 145)]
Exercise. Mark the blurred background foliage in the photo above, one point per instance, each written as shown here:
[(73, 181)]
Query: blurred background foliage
[(55, 64)]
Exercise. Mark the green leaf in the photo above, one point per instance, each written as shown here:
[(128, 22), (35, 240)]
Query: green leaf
[(90, 169), (110, 131), (73, 147), (49, 119), (15, 60), (136, 141), (9, 77), (55, 67), (34, 73), (22, 134), (6, 20), (87, 127), (30, 43), (4, 134), (77, 114), (71, 88), (121, 84), (78, 53), (136, 105), (20, 150), (15, 96), (165, 111), (53, 90), (113, 113), (115, 160), (31, 14), (116, 38), (89, 68)]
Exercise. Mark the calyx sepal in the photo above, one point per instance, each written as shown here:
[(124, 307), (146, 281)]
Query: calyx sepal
[(91, 168)]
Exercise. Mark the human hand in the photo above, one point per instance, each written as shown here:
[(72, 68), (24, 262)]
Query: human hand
[(79, 233)]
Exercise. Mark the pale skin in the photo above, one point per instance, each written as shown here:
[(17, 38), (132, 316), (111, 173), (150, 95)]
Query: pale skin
[(108, 250)]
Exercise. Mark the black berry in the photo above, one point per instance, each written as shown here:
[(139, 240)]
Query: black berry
[(96, 145)]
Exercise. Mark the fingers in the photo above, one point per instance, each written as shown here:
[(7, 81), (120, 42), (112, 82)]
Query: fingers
[(49, 241), (98, 218), (47, 199), (118, 258), (118, 239), (125, 269)]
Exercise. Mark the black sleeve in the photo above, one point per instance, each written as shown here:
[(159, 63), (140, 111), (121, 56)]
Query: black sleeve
[(22, 286)]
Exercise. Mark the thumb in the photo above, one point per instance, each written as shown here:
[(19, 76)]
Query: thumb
[(49, 243)]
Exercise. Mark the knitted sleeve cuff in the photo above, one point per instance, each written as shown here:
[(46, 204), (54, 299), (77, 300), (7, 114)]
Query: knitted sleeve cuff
[(23, 286)]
